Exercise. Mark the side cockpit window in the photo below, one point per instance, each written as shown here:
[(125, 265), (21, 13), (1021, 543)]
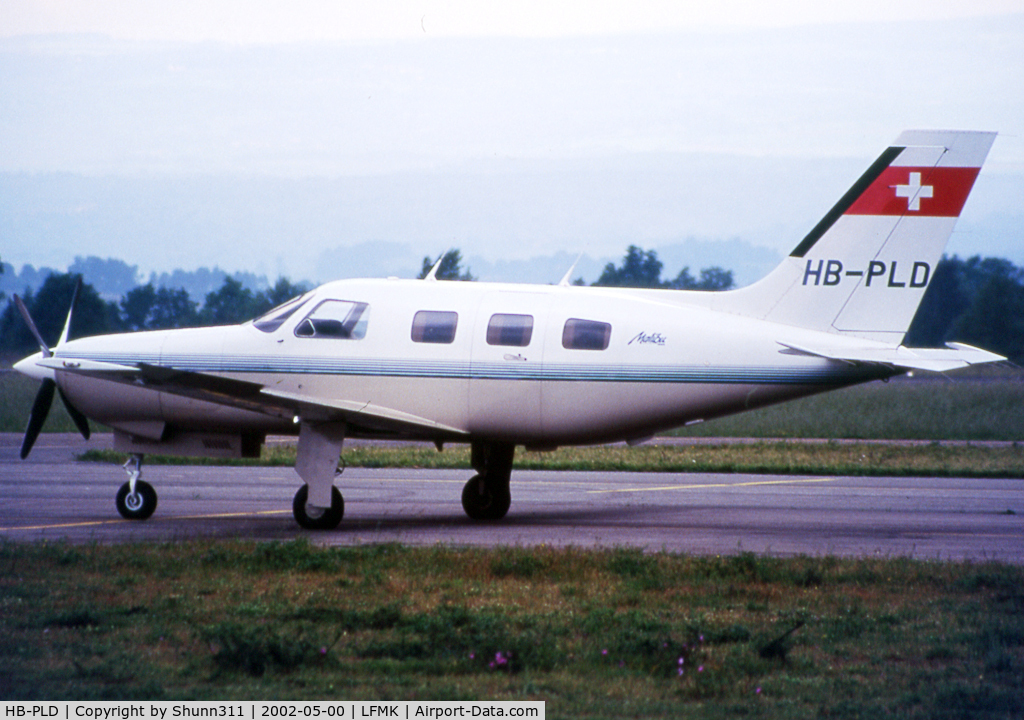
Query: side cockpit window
[(434, 326), (586, 335), (335, 319), (273, 319), (512, 330)]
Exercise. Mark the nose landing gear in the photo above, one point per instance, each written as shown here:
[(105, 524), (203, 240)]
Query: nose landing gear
[(136, 500)]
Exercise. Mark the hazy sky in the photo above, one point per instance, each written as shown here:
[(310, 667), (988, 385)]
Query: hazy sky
[(263, 21), (561, 126)]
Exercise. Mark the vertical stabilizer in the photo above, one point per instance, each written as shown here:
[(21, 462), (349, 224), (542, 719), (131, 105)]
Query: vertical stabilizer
[(863, 269)]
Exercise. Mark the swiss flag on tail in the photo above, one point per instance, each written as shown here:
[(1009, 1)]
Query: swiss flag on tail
[(923, 191)]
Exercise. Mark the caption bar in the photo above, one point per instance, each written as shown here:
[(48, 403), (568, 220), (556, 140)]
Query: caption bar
[(534, 710)]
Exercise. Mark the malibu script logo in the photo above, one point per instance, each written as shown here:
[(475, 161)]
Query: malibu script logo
[(645, 339)]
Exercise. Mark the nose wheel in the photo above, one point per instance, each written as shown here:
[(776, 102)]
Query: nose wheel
[(136, 500)]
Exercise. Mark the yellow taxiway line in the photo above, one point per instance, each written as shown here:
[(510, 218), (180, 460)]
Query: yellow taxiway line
[(716, 485), (93, 523)]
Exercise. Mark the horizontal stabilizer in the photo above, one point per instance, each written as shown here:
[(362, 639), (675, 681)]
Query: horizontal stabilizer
[(951, 357)]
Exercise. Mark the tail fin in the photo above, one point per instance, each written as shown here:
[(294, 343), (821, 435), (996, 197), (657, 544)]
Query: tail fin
[(863, 269)]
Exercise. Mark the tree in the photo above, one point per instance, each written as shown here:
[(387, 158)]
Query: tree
[(979, 301), (450, 267), (639, 270), (149, 308), (136, 306), (995, 319), (943, 302), (715, 278), (229, 305)]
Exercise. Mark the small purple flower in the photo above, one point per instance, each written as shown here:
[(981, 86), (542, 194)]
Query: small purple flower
[(604, 652), (758, 691), (700, 669), (323, 650), (681, 661)]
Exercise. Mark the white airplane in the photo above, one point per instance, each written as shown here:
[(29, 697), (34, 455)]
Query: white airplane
[(501, 365)]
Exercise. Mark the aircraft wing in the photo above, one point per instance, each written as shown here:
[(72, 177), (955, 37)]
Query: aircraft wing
[(951, 357), (363, 414), (359, 415)]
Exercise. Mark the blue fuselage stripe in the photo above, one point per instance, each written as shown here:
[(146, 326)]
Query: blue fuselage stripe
[(461, 370)]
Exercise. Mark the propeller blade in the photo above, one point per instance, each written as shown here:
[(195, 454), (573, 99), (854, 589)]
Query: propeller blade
[(40, 409), (71, 309), (32, 327), (80, 420)]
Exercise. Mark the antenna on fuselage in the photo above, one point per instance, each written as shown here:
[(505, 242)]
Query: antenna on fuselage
[(564, 282), (432, 275)]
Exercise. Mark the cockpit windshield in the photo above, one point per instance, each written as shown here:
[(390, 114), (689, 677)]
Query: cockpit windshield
[(273, 319)]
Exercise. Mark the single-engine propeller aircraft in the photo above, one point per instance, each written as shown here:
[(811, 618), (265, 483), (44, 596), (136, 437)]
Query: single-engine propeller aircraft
[(501, 365)]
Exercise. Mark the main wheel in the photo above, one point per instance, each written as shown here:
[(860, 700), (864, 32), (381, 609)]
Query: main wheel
[(315, 518), (137, 506), (483, 503)]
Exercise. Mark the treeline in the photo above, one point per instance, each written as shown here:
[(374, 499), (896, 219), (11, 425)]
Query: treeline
[(113, 278), (979, 301), (144, 307), (642, 269)]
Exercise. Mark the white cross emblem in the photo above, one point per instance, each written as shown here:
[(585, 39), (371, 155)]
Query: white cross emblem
[(913, 191)]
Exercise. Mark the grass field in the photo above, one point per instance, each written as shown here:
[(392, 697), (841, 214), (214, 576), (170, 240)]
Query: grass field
[(961, 408), (613, 633)]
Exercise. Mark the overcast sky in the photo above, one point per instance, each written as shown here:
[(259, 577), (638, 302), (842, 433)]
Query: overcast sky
[(577, 95), (263, 21)]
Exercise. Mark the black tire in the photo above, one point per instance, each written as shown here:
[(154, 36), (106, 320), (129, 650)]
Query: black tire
[(481, 503), (325, 519), (139, 506)]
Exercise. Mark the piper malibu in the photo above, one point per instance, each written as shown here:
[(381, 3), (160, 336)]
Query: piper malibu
[(501, 365)]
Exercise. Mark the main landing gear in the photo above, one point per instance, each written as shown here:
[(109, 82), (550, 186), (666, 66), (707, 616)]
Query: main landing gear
[(487, 496), (136, 500), (312, 517)]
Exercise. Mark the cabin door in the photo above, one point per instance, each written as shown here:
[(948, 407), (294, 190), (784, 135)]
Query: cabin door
[(507, 361)]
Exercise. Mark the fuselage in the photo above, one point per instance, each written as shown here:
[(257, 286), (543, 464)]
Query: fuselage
[(541, 366)]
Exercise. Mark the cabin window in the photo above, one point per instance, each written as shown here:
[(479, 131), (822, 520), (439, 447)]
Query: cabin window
[(515, 330), (434, 326), (586, 335), (336, 319), (273, 319)]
